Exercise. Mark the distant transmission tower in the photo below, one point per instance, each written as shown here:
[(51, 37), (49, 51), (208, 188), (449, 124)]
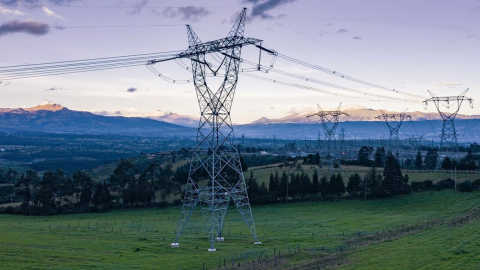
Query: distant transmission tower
[(329, 121), (449, 134), (394, 121), (216, 153)]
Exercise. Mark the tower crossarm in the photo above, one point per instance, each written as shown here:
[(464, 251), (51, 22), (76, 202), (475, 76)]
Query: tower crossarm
[(219, 45)]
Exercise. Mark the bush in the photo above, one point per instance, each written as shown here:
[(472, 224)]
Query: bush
[(476, 184), (422, 186), (465, 186), (445, 184)]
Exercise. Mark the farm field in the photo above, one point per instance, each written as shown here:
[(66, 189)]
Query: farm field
[(141, 238)]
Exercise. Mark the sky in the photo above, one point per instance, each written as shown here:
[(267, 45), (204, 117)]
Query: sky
[(411, 46)]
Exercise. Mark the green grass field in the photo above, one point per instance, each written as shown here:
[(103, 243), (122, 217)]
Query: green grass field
[(140, 239)]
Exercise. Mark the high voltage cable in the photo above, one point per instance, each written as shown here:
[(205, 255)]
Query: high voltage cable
[(61, 27), (118, 7), (312, 80), (70, 72), (300, 86), (335, 73), (64, 67), (27, 70), (344, 76)]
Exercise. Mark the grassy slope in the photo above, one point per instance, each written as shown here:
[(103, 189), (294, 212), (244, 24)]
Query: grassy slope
[(438, 248), (28, 242)]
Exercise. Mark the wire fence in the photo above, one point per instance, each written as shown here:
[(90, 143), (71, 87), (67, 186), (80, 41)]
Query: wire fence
[(286, 257)]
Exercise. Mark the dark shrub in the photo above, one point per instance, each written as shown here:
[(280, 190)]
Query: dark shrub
[(476, 184), (445, 184), (465, 186)]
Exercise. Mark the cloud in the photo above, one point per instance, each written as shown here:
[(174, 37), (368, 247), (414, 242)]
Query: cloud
[(131, 90), (188, 13), (52, 14), (260, 9), (54, 89), (341, 31), (281, 16), (6, 11), (35, 3), (357, 38), (29, 27), (138, 7), (448, 84)]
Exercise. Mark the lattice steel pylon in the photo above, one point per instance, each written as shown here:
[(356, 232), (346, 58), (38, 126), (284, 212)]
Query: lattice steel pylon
[(216, 155), (329, 121), (394, 121), (449, 133)]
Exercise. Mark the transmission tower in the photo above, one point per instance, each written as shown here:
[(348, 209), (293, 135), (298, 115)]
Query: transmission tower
[(216, 156), (394, 121), (449, 133), (329, 121)]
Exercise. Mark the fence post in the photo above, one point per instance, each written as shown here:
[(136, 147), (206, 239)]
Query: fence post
[(275, 255)]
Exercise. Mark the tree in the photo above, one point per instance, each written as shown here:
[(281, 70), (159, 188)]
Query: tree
[(373, 183), (315, 184), (102, 195), (123, 181), (284, 185), (353, 185), (243, 164), (337, 186), (271, 183), (364, 155), (419, 160), (447, 164), (431, 159), (393, 181), (380, 157), (84, 183), (324, 187)]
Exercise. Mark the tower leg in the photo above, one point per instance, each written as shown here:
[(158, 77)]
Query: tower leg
[(240, 198), (190, 201)]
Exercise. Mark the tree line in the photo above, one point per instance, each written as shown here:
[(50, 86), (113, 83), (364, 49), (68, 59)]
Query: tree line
[(298, 185), (57, 193)]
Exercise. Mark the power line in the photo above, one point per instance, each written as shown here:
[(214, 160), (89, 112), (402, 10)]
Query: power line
[(61, 27), (64, 67), (313, 80), (344, 76), (300, 86)]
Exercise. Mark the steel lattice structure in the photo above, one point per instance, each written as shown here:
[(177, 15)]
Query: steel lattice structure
[(394, 121), (329, 121), (216, 155), (449, 133)]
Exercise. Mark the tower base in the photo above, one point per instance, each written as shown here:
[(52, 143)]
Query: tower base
[(175, 245), (220, 239), (257, 243), (212, 249)]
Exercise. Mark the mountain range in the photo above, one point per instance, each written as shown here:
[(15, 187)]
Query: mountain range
[(356, 114), (59, 119)]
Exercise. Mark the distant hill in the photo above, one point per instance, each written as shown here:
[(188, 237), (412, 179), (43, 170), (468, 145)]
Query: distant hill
[(468, 130), (356, 114), (59, 119)]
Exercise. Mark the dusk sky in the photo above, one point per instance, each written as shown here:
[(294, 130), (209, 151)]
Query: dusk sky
[(409, 45)]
